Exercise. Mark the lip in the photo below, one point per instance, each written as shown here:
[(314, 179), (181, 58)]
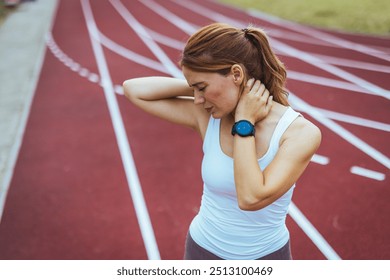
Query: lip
[(208, 109)]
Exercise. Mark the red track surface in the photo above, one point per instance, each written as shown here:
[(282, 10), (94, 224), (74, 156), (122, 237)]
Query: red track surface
[(69, 197)]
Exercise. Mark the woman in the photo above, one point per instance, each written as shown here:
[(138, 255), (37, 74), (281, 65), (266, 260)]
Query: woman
[(255, 146)]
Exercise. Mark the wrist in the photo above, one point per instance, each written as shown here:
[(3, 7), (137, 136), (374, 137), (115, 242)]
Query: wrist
[(243, 117), (243, 128)]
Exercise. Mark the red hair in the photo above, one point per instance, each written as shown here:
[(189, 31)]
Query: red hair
[(218, 46)]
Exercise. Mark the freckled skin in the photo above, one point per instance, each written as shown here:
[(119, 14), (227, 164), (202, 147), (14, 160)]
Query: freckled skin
[(214, 91)]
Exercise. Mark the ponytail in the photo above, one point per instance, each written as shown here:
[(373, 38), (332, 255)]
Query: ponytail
[(272, 72), (216, 47)]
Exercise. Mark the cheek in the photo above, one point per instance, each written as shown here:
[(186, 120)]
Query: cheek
[(233, 96), (228, 101), (224, 96), (214, 95)]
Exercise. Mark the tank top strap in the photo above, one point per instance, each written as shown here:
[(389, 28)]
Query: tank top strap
[(285, 121)]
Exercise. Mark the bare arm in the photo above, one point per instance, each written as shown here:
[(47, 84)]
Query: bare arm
[(166, 98), (258, 188)]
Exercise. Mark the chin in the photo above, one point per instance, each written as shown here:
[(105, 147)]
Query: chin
[(218, 115)]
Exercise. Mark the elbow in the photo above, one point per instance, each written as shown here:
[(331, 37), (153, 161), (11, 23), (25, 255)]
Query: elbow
[(245, 206), (251, 203), (248, 207), (129, 90), (251, 197)]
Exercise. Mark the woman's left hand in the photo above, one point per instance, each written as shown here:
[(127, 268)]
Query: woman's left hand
[(255, 102)]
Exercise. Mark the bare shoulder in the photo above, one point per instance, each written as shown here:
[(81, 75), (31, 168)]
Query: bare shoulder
[(305, 128), (303, 134)]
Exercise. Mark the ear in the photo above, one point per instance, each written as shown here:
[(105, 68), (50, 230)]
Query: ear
[(238, 74)]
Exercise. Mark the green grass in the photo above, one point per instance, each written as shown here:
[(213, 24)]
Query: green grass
[(357, 16)]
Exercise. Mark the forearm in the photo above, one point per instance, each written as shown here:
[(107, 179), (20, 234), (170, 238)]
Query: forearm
[(163, 97), (156, 88), (249, 178)]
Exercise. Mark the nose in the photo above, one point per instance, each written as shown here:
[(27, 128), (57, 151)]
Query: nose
[(198, 98)]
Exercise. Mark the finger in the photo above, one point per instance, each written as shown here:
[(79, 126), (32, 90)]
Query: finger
[(269, 103), (249, 85), (255, 87), (265, 95), (261, 90), (247, 88)]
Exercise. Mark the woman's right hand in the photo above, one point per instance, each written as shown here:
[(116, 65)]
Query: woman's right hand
[(255, 102)]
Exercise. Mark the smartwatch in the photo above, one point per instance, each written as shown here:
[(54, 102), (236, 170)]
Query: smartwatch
[(243, 128)]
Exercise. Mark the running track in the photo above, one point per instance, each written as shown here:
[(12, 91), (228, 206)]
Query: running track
[(80, 191)]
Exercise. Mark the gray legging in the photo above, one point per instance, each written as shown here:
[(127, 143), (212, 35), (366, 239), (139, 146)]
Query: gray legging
[(195, 252)]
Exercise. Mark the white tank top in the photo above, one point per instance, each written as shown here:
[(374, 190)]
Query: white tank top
[(221, 227)]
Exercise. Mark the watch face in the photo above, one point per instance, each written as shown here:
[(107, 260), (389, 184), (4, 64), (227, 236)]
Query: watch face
[(244, 128)]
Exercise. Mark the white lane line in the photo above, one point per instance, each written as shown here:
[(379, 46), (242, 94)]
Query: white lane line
[(190, 28), (302, 37), (146, 38), (177, 21), (76, 67), (293, 75), (120, 133), (93, 78), (320, 159), (354, 63), (165, 40), (272, 32), (312, 233), (319, 63), (354, 120), (137, 58), (368, 173), (327, 82), (301, 105), (321, 35)]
